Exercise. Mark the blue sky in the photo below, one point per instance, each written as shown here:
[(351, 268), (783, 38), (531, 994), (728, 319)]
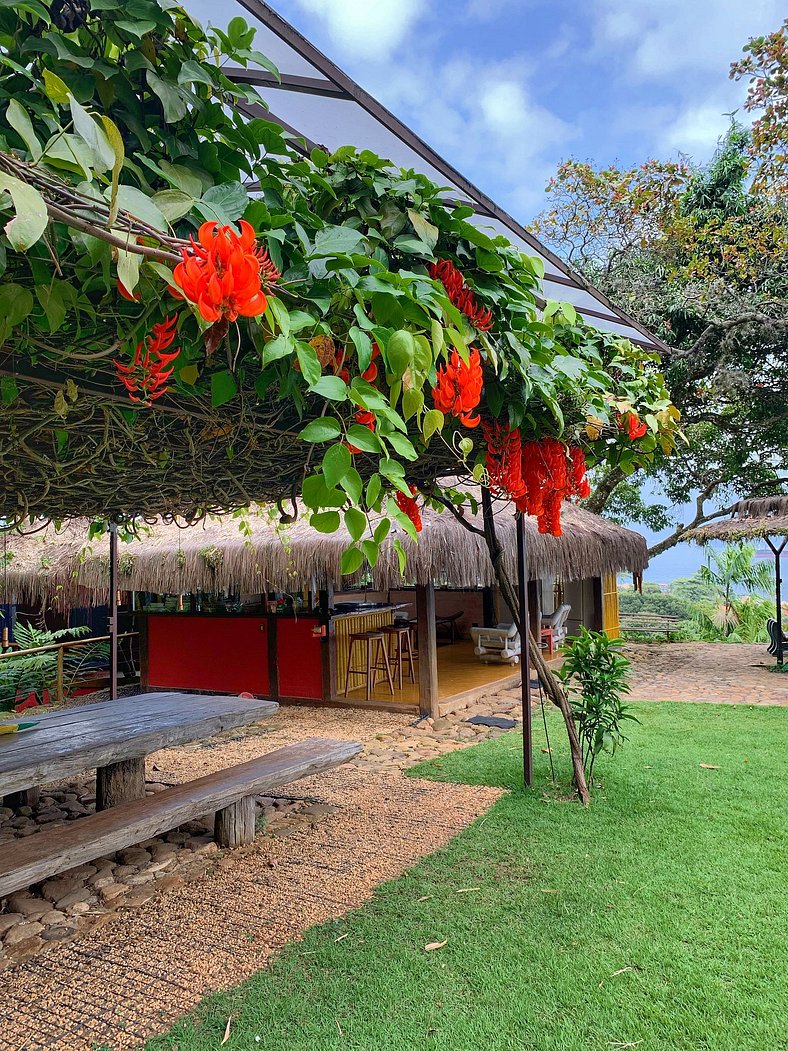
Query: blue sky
[(505, 89)]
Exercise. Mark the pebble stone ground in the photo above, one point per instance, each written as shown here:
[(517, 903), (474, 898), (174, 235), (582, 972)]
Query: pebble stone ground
[(149, 896)]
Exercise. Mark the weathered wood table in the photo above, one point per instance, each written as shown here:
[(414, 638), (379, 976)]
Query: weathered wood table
[(114, 737)]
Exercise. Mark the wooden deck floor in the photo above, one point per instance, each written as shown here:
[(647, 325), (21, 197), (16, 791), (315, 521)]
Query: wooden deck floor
[(461, 677)]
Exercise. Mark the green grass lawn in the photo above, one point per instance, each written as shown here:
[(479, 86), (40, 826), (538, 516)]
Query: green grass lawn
[(657, 920)]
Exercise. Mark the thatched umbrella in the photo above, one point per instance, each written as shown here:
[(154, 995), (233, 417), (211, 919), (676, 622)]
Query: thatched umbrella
[(764, 518), (62, 567)]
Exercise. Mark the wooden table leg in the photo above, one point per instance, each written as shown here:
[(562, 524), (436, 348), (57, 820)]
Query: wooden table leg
[(27, 797), (120, 783)]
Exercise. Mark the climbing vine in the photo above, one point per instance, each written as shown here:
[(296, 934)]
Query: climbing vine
[(194, 316)]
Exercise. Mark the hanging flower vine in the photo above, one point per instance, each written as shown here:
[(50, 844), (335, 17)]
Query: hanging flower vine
[(459, 388), (146, 377)]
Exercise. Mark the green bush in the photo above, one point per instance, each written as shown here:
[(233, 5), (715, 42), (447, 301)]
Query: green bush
[(595, 674)]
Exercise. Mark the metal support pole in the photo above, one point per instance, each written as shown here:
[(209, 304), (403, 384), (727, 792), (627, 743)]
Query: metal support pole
[(778, 596), (113, 610), (525, 634)]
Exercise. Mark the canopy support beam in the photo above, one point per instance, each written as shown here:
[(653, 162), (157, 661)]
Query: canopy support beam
[(777, 550), (525, 634)]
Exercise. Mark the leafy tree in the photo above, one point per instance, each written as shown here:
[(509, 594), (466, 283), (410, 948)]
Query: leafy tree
[(765, 65), (702, 258), (660, 602), (692, 589), (729, 616)]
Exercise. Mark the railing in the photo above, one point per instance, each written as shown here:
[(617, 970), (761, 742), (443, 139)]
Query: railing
[(10, 653)]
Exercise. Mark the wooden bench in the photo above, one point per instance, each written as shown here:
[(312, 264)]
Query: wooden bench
[(650, 623), (230, 793)]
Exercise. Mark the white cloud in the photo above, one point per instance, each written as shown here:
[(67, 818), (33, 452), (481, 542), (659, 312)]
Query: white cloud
[(368, 28), (695, 131), (660, 40)]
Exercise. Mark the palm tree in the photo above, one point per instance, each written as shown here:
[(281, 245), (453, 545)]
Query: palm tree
[(730, 615)]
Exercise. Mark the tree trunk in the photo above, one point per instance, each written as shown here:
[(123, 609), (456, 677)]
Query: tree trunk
[(552, 685)]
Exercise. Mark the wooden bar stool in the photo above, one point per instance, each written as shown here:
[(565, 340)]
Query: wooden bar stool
[(376, 659), (400, 641)]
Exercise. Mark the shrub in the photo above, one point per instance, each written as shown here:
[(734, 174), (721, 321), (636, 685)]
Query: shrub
[(595, 674)]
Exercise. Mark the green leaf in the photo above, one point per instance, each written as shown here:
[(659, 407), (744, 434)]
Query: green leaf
[(352, 484), (395, 472), (433, 421), (363, 345), (326, 429), (19, 120), (192, 72), (382, 530), (189, 375), (9, 391), (93, 135), (364, 439), (371, 550), (311, 369), (331, 387), (115, 140), (279, 313), (223, 388), (55, 88), (424, 228), (489, 261), (325, 521), (173, 99), (225, 203), (277, 348), (355, 522), (352, 560), (16, 302), (139, 204), (173, 204), (136, 29), (317, 494), (374, 488), (128, 269), (336, 240), (401, 555), (412, 402), (402, 445), (55, 298), (31, 213), (337, 462)]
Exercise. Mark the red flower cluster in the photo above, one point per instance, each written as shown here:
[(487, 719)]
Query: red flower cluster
[(224, 273), (458, 292), (537, 476), (504, 460), (340, 364), (409, 506), (633, 425), (146, 377), (459, 388)]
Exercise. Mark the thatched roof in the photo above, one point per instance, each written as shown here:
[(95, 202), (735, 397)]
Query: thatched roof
[(751, 519), (61, 567)]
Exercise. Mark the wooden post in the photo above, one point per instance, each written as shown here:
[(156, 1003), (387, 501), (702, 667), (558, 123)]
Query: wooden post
[(525, 681), (234, 824), (27, 797), (59, 680), (428, 650), (113, 611), (120, 783)]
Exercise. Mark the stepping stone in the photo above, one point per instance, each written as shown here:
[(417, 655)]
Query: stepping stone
[(492, 720)]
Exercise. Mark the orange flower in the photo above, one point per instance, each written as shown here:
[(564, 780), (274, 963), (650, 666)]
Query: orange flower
[(459, 388), (408, 506), (633, 425), (146, 377), (224, 273), (133, 297)]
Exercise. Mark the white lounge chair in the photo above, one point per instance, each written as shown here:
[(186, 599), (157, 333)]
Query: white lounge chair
[(501, 643), (557, 621)]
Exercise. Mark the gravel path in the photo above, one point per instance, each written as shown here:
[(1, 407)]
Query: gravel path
[(130, 978)]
